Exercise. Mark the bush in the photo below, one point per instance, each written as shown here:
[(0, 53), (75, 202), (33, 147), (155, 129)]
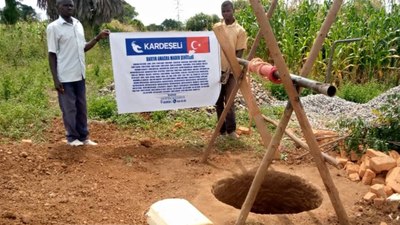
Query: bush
[(22, 120), (381, 134), (278, 91), (103, 107), (361, 93)]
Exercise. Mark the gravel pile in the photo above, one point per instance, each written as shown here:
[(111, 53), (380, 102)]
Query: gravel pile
[(323, 111)]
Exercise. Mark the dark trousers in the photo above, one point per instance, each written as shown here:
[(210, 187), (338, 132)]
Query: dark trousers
[(229, 124), (74, 111)]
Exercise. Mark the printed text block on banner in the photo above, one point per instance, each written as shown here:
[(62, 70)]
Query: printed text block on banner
[(165, 70)]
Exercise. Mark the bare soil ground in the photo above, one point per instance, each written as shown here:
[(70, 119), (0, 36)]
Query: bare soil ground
[(117, 181)]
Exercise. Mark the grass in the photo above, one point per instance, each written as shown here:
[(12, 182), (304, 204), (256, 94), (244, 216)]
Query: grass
[(28, 100)]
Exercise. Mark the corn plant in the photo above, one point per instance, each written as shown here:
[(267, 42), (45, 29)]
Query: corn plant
[(295, 26)]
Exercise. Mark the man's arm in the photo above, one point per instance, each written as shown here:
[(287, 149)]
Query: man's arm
[(53, 70), (239, 53), (103, 34)]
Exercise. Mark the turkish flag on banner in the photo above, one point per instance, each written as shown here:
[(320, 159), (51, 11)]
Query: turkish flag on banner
[(198, 44)]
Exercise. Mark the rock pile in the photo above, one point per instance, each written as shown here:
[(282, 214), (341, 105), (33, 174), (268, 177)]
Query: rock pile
[(379, 170)]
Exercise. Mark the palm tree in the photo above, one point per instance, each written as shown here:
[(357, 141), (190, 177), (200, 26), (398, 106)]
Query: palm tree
[(90, 12)]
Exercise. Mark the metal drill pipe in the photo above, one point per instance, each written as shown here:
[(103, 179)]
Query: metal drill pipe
[(322, 88)]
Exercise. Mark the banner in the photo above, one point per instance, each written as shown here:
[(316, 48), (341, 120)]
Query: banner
[(165, 70)]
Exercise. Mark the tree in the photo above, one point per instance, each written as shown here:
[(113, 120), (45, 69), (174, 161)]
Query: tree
[(26, 12), (170, 24), (23, 12), (10, 14), (201, 22), (138, 24), (129, 13), (154, 27), (89, 12)]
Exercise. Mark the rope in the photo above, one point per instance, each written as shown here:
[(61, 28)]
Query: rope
[(264, 69)]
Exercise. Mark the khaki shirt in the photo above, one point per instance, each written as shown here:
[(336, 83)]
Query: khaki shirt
[(237, 37)]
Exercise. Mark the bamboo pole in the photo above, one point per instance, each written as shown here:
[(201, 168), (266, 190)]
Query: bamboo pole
[(323, 145), (231, 98), (245, 89), (326, 157), (293, 104)]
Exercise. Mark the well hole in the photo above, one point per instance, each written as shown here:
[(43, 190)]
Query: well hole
[(280, 193)]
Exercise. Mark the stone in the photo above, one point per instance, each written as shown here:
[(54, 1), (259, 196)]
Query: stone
[(354, 177), (341, 161), (394, 154), (354, 156), (363, 168), (384, 163), (243, 130), (379, 190), (368, 176), (378, 180), (393, 179), (351, 168), (378, 202), (388, 190), (369, 196), (393, 174), (373, 153)]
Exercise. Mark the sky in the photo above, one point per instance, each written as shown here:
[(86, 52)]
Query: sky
[(156, 11), (31, 3)]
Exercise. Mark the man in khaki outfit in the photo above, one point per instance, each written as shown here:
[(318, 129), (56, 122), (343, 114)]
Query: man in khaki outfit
[(237, 38)]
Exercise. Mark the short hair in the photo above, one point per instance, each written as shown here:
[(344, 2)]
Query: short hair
[(227, 3), (58, 2)]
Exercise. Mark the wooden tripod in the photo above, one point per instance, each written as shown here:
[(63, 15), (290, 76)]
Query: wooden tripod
[(294, 103)]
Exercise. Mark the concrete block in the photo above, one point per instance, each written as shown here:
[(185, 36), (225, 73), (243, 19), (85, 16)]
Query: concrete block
[(175, 211)]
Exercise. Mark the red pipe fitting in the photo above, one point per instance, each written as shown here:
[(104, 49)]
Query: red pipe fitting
[(266, 71)]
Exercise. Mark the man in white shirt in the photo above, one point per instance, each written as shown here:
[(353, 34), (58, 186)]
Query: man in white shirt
[(67, 46)]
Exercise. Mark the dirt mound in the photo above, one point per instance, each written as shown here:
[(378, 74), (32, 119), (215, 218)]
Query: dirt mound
[(117, 181)]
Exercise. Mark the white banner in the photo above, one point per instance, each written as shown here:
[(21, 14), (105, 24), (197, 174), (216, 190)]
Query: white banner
[(165, 70)]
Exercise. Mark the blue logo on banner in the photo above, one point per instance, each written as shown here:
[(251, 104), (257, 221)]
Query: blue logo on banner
[(156, 46)]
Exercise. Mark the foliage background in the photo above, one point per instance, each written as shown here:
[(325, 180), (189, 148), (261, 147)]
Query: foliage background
[(361, 70)]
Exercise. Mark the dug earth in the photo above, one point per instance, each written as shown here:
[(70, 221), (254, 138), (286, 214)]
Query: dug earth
[(117, 181)]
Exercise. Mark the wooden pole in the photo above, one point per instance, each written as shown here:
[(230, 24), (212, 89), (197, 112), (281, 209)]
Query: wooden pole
[(326, 157), (245, 89), (294, 101), (257, 40), (232, 96)]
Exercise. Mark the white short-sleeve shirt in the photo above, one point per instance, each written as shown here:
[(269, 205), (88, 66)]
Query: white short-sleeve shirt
[(68, 42)]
